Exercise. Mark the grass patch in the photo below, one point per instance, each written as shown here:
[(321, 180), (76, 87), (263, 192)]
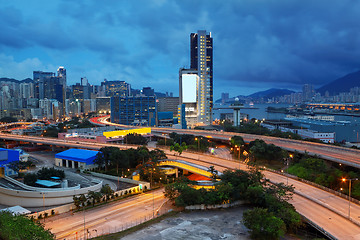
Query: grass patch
[(139, 227)]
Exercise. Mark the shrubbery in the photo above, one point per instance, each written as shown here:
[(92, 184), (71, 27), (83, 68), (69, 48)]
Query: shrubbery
[(44, 174), (270, 199), (20, 227)]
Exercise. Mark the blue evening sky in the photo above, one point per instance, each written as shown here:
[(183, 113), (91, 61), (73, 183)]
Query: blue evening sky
[(258, 44)]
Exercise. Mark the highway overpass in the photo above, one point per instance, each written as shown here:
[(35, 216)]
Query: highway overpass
[(346, 156), (321, 208)]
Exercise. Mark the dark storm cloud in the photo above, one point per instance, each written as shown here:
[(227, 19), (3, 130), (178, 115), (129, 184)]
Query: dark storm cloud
[(282, 43)]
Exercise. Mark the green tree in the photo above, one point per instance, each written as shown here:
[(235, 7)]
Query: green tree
[(237, 141), (94, 197), (224, 191), (178, 148), (157, 154), (47, 173), (30, 179), (143, 153), (103, 157), (107, 191), (21, 227), (134, 138), (119, 159), (263, 224)]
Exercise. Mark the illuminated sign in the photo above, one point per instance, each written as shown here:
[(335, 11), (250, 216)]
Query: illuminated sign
[(189, 109), (189, 82)]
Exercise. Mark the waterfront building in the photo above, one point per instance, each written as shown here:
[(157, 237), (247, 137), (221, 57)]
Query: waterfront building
[(236, 106), (308, 92), (345, 131), (224, 97)]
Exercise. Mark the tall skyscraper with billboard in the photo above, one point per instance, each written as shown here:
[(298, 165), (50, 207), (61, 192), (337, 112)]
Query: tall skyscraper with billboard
[(196, 83), (188, 95), (201, 59)]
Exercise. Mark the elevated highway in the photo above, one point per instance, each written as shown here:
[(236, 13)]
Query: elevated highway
[(323, 209), (347, 156), (191, 167)]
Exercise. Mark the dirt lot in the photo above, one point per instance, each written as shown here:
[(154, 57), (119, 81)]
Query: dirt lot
[(198, 225)]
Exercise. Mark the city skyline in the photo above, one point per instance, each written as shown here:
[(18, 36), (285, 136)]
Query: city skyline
[(258, 45)]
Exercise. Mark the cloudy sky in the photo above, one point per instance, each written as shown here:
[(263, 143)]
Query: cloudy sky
[(258, 44)]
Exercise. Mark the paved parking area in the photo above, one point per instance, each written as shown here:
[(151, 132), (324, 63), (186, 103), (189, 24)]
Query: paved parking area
[(199, 225)]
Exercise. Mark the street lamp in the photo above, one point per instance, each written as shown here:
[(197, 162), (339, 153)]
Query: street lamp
[(349, 179), (239, 155), (287, 168), (198, 140)]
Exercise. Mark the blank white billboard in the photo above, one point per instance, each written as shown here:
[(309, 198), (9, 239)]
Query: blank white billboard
[(189, 82)]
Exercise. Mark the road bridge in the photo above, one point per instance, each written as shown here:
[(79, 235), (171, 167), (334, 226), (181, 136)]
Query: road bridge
[(343, 155), (188, 166), (317, 211)]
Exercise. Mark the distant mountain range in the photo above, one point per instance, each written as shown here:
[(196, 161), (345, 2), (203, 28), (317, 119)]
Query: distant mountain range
[(270, 93), (342, 84), (26, 80)]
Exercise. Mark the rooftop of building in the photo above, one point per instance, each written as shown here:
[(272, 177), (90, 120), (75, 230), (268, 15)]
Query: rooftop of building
[(80, 155), (319, 122)]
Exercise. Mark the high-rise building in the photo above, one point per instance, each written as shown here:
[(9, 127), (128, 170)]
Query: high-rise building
[(84, 81), (39, 78), (148, 91), (196, 83), (62, 75), (201, 59), (168, 104), (308, 92), (224, 97), (137, 110), (116, 88), (49, 86), (188, 96)]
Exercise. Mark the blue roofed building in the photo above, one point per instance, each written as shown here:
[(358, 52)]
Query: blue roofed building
[(76, 158), (8, 156)]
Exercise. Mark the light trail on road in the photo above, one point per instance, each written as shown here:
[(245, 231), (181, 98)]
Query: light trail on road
[(112, 217)]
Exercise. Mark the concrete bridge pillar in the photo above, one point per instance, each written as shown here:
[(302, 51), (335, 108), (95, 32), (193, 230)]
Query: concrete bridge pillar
[(53, 148), (176, 172)]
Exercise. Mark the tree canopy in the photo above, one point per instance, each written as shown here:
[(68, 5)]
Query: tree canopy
[(20, 227)]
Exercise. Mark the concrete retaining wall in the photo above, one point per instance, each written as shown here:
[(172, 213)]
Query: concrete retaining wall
[(126, 180), (57, 210), (71, 206), (216, 206), (36, 189), (11, 197)]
